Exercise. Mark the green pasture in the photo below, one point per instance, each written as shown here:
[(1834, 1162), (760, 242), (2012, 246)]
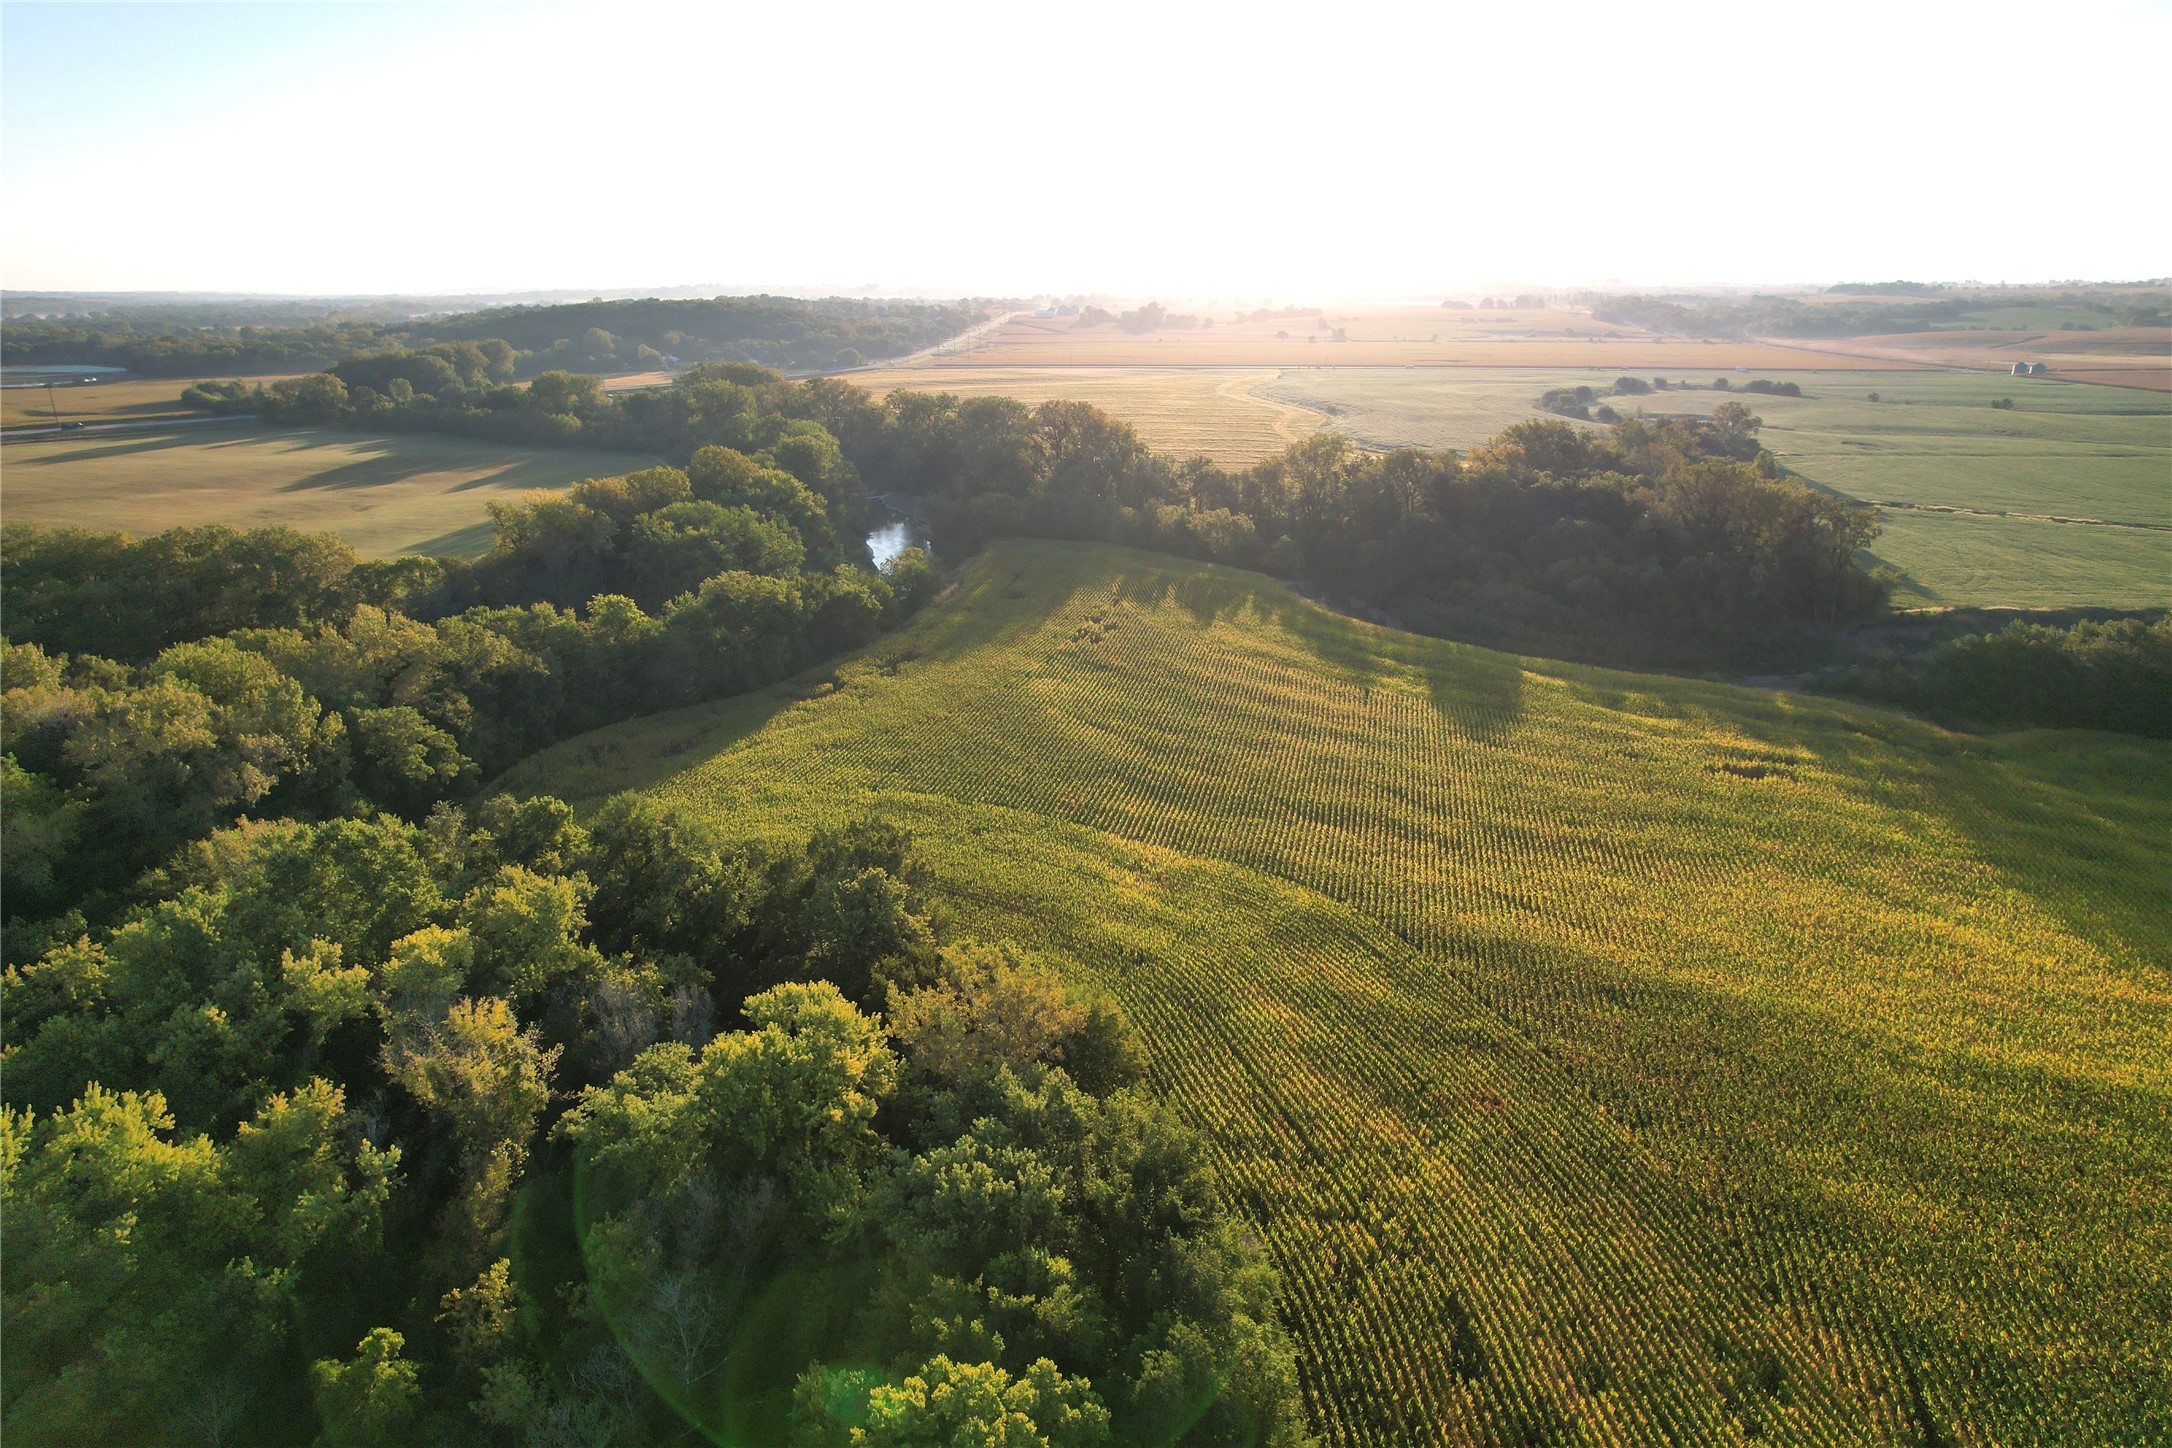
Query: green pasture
[(1932, 442)]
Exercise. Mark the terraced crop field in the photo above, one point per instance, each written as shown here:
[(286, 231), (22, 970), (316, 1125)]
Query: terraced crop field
[(1602, 1057)]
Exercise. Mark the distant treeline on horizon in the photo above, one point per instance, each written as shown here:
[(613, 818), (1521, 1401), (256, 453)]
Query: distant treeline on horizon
[(210, 338)]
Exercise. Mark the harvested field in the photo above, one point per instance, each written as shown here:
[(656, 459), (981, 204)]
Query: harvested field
[(2120, 356), (629, 381), (1374, 337), (1216, 411), (383, 495)]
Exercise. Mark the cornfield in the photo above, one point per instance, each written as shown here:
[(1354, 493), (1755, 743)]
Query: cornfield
[(1602, 1057)]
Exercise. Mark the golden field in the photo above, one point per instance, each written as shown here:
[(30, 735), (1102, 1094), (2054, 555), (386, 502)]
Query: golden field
[(1409, 336), (129, 399), (402, 493), (1216, 411)]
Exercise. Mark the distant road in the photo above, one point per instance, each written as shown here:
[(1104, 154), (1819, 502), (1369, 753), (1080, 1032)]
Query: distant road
[(968, 335), (86, 428)]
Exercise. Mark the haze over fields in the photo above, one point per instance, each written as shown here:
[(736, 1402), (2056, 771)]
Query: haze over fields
[(1381, 151), (1098, 727)]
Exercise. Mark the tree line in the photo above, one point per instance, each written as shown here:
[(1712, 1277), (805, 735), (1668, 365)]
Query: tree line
[(1883, 308), (155, 688), (2111, 674), (791, 333), (1582, 400), (1674, 541)]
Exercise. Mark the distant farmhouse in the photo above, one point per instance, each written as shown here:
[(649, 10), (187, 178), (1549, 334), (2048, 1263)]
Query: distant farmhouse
[(2030, 369)]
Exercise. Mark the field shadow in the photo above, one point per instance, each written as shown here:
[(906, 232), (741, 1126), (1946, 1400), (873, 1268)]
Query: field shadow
[(144, 410), (1477, 690), (387, 464), (131, 447), (375, 471), (524, 473), (2095, 803), (1907, 589), (473, 541), (641, 753), (1480, 691)]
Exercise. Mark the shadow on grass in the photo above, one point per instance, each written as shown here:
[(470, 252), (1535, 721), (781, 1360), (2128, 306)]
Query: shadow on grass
[(375, 471), (2078, 821), (398, 460), (470, 542), (133, 447)]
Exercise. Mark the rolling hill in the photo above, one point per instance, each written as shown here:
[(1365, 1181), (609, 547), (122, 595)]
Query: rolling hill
[(1602, 1057)]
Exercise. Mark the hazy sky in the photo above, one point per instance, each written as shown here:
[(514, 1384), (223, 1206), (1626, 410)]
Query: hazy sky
[(1238, 150)]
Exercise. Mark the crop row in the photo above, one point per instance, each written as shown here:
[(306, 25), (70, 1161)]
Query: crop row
[(1700, 1059)]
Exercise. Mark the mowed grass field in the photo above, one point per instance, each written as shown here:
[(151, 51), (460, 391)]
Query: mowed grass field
[(1216, 411), (1933, 444), (130, 399), (401, 493), (1603, 1058)]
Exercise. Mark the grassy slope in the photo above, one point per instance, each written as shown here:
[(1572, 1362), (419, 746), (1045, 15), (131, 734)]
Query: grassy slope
[(1660, 1057), (399, 493), (1934, 442)]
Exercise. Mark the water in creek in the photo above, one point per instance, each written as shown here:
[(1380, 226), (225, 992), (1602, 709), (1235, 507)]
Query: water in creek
[(893, 534)]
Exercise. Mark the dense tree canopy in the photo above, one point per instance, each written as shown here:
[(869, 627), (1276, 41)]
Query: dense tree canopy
[(1675, 540), (272, 1137), (157, 688), (291, 1033), (2114, 674), (788, 332)]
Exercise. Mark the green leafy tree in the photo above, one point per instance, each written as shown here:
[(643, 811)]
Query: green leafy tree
[(370, 1399), (945, 1404)]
